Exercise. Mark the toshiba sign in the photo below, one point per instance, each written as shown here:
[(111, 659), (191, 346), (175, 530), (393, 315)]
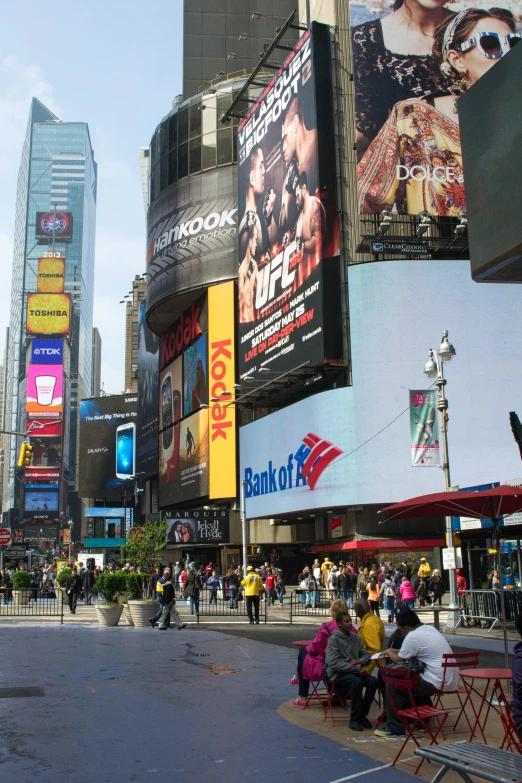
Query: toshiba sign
[(221, 380)]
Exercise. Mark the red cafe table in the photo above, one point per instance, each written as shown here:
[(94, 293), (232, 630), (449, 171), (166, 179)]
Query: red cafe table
[(302, 642), (487, 676)]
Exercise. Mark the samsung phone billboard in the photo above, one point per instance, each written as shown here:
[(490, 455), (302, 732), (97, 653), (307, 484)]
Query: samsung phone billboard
[(288, 231)]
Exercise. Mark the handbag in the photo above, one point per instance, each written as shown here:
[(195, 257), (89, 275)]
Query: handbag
[(239, 596)]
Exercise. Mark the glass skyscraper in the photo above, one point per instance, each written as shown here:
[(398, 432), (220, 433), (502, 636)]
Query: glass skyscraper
[(57, 170)]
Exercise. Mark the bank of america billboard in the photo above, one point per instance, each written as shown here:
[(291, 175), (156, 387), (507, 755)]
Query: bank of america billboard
[(406, 99), (288, 227)]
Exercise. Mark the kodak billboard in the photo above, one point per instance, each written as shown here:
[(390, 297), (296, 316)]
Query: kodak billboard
[(48, 314), (51, 276), (221, 378)]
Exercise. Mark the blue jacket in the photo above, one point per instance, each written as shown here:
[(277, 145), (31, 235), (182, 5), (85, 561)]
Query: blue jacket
[(213, 583), (516, 667)]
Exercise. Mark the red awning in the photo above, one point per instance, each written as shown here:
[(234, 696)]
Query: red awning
[(393, 543)]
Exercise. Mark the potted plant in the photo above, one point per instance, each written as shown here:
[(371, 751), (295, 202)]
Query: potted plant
[(126, 609), (21, 587), (110, 587), (144, 549)]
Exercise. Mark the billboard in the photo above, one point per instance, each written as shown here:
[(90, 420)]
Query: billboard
[(41, 474), (107, 445), (289, 223), (47, 451), (57, 224), (221, 370), (494, 155), (171, 394), (184, 458), (192, 237), (41, 500), (190, 325), (407, 119), (46, 351), (147, 420), (48, 313), (195, 386), (51, 275), (43, 426), (198, 526), (44, 391), (424, 429)]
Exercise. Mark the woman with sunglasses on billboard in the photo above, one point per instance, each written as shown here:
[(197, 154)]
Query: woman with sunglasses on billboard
[(415, 162), (392, 61)]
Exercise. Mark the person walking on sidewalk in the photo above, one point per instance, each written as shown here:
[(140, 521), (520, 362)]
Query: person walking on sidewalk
[(192, 588), (270, 584), (407, 593), (169, 599), (233, 587), (253, 586), (159, 597), (213, 585), (73, 588), (388, 598), (344, 662)]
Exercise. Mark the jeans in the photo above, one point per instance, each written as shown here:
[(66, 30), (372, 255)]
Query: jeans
[(166, 612), (233, 597), (399, 699), (389, 607), (349, 598), (8, 595), (409, 604), (194, 604), (252, 605), (72, 598), (374, 606), (213, 597), (304, 685), (159, 599), (311, 598), (354, 684), (280, 595), (88, 595)]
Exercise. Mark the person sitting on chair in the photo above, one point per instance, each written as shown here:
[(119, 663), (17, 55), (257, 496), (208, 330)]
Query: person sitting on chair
[(345, 658)]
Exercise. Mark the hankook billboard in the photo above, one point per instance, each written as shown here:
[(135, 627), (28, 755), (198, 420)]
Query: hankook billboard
[(289, 228), (192, 235), (107, 445), (407, 90)]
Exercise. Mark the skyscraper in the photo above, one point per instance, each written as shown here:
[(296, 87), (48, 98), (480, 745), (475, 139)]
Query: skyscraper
[(137, 294), (96, 363), (57, 172)]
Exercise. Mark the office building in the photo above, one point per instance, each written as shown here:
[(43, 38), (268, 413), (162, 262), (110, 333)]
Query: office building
[(144, 173), (57, 173), (137, 293), (96, 363)]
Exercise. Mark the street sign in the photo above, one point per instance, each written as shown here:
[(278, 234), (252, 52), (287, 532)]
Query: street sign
[(16, 551), (5, 536), (399, 247), (448, 559)]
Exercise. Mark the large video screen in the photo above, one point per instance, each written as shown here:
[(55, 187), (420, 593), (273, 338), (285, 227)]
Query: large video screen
[(41, 500), (184, 460), (408, 79), (195, 384), (288, 213), (148, 373), (59, 224), (107, 445), (44, 391)]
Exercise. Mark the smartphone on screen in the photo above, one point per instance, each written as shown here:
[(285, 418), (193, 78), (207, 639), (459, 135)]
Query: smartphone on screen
[(125, 450), (166, 411)]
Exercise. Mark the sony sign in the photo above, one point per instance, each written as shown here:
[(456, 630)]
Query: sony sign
[(46, 351)]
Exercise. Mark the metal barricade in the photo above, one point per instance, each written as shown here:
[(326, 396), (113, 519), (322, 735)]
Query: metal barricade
[(310, 603), (219, 606), (31, 602), (484, 605)]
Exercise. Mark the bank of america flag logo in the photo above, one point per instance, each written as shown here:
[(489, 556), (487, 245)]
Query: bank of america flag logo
[(313, 457)]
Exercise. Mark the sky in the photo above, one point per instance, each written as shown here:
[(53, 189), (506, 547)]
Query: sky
[(116, 66)]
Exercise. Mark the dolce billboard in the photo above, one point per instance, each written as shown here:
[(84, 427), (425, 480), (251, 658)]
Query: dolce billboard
[(192, 238)]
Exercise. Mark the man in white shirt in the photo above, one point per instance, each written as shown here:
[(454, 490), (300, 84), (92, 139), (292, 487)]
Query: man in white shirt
[(427, 645)]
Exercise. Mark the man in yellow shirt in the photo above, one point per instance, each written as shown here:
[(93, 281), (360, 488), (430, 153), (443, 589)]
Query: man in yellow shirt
[(424, 568), (371, 630), (253, 585)]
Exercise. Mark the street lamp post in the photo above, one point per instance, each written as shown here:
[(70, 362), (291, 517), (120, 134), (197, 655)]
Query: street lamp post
[(434, 370)]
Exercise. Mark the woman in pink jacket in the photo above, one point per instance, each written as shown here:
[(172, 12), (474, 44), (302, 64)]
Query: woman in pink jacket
[(407, 593), (310, 662)]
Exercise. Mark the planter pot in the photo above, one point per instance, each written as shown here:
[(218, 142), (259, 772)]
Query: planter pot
[(21, 596), (142, 611), (127, 614), (109, 616)]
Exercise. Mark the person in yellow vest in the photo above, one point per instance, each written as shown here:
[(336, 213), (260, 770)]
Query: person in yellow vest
[(253, 585), (371, 630), (424, 569), (326, 567)]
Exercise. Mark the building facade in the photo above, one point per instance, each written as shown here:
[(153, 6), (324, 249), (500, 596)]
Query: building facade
[(137, 294), (96, 384), (57, 174)]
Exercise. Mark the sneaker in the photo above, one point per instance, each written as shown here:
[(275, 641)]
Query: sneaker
[(294, 681), (182, 626), (386, 733), (365, 723), (152, 622), (356, 726), (299, 703)]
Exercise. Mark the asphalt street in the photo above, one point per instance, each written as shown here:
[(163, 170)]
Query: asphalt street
[(129, 704)]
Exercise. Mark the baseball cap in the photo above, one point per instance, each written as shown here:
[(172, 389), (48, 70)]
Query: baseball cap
[(250, 568), (423, 559)]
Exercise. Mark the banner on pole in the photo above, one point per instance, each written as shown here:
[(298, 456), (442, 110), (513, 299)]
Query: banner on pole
[(424, 429)]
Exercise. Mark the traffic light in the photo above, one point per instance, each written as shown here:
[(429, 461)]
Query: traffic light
[(26, 455)]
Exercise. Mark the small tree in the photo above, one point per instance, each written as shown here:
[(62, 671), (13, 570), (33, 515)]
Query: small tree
[(62, 576), (145, 548)]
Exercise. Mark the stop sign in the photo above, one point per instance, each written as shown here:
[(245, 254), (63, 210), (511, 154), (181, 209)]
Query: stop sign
[(5, 536)]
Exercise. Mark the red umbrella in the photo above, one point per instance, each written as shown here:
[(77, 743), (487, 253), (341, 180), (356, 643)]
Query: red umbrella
[(487, 504)]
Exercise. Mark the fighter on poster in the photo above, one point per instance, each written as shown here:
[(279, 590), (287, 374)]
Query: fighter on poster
[(287, 213)]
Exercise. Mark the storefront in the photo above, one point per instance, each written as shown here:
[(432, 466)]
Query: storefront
[(394, 551)]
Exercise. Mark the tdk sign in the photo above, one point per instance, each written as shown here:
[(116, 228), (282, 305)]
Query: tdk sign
[(47, 352)]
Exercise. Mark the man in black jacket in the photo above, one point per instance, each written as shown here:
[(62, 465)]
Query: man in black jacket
[(169, 599), (73, 588), (88, 580)]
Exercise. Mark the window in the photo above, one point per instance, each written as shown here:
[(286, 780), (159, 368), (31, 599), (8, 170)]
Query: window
[(208, 148), (182, 161), (134, 367), (134, 327), (173, 131), (183, 126), (173, 166), (195, 119), (135, 339), (195, 156), (224, 146)]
